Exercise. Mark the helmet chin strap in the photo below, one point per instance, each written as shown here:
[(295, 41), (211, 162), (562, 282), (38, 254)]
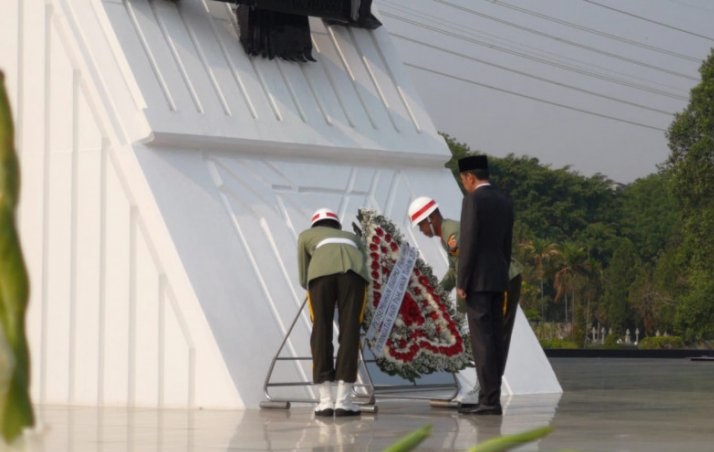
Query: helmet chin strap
[(431, 226)]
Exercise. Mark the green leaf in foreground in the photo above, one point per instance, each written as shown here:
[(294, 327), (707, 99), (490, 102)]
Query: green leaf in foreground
[(15, 405), (506, 442), (411, 440)]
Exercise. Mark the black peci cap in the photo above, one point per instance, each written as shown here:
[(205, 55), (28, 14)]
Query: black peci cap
[(473, 162)]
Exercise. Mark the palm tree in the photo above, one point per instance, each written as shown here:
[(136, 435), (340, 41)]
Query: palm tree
[(652, 304), (573, 268), (592, 291), (541, 253)]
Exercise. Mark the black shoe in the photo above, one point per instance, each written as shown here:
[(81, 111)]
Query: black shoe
[(327, 412), (342, 413), (467, 406), (483, 410)]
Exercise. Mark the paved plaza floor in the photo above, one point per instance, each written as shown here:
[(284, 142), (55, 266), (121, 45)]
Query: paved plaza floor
[(608, 404)]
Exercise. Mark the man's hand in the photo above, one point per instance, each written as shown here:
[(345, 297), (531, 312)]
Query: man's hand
[(453, 244), (461, 293), (461, 305)]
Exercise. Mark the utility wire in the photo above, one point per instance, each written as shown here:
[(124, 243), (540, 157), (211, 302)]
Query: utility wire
[(585, 72), (689, 5), (594, 31), (449, 25), (526, 74), (537, 99), (566, 41), (661, 24)]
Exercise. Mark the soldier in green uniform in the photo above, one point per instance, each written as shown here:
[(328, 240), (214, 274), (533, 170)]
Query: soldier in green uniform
[(424, 213), (332, 267)]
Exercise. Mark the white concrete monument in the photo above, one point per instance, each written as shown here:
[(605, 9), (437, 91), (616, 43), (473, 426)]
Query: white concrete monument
[(165, 177)]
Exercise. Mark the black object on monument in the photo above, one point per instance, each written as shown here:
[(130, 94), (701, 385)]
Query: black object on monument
[(270, 34), (344, 12), (280, 28)]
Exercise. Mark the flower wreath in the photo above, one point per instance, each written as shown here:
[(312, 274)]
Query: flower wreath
[(425, 337)]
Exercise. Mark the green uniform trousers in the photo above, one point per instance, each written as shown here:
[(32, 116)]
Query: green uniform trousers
[(346, 292)]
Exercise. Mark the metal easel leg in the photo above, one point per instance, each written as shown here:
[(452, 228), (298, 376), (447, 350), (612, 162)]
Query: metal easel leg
[(365, 391), (282, 403), (410, 391), (364, 388)]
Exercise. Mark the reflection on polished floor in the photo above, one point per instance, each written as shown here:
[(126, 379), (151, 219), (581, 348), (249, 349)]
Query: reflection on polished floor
[(608, 405)]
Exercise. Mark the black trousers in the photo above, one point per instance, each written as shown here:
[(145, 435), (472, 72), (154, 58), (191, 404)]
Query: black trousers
[(347, 293), (509, 318), (485, 316)]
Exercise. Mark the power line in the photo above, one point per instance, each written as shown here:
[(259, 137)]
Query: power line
[(525, 74), (556, 64), (537, 99), (595, 31), (566, 41), (661, 24), (689, 5), (556, 58)]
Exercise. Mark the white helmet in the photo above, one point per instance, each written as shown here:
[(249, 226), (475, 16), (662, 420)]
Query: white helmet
[(324, 214), (421, 208)]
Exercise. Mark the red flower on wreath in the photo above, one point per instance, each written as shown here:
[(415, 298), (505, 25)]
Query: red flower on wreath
[(425, 337)]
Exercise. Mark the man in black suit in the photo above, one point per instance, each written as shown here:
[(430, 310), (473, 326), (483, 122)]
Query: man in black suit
[(482, 276)]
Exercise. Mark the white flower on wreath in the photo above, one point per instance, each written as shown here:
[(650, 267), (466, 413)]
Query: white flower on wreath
[(428, 334)]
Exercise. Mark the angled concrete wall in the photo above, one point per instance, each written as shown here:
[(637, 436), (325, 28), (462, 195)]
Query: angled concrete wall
[(166, 177), (113, 319)]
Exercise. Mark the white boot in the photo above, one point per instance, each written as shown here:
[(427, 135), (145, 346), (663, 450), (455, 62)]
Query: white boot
[(326, 406), (344, 405), (466, 397), (468, 389)]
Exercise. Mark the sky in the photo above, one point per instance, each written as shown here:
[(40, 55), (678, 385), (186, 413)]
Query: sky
[(588, 84)]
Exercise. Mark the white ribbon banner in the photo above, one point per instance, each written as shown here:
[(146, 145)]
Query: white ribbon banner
[(392, 296)]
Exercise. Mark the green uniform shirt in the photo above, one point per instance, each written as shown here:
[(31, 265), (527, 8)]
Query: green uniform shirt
[(450, 236), (330, 258), (450, 242)]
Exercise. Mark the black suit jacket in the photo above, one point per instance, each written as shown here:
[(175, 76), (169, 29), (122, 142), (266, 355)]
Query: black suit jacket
[(486, 234)]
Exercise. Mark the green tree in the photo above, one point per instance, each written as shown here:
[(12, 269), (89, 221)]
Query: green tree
[(594, 215), (651, 303), (556, 205), (571, 277), (540, 254), (695, 311), (591, 294), (649, 215), (458, 150), (530, 301), (619, 276), (670, 276), (553, 206), (691, 163)]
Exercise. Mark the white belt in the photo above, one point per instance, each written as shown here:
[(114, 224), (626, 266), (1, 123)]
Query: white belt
[(337, 240)]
